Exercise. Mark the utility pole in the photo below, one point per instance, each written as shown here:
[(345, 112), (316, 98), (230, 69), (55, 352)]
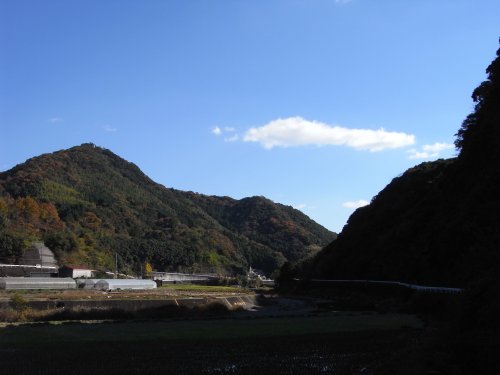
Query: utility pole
[(116, 265)]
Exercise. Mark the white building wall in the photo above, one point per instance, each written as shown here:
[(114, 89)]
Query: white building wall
[(82, 273)]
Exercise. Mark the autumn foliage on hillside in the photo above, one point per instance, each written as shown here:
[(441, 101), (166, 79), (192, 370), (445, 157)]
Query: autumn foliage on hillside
[(87, 204)]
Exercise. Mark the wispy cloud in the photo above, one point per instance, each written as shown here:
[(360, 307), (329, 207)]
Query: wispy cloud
[(216, 130), (55, 120), (109, 128), (233, 138), (342, 1), (429, 151), (296, 131), (355, 204)]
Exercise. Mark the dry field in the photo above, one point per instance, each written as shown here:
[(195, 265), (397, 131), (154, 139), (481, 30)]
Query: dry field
[(166, 292)]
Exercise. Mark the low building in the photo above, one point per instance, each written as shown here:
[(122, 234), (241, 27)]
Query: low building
[(124, 284), (75, 272), (37, 254), (182, 278), (257, 277), (17, 270)]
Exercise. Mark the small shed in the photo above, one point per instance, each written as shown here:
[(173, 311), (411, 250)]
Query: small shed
[(124, 284), (75, 271), (16, 283), (37, 254)]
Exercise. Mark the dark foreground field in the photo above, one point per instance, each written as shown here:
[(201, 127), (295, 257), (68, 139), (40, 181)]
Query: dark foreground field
[(332, 344)]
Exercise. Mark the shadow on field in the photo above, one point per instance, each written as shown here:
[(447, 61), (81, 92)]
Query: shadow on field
[(162, 312), (335, 353)]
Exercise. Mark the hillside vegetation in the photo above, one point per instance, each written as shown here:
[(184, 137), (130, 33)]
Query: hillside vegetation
[(438, 223), (86, 203)]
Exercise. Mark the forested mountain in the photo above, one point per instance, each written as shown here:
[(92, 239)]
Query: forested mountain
[(86, 203), (438, 223)]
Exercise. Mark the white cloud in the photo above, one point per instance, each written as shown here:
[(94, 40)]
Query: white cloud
[(429, 151), (342, 1), (108, 128), (227, 129), (355, 204), (234, 138), (55, 120), (296, 131)]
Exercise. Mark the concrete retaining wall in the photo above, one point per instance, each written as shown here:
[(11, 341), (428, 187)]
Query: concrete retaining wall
[(232, 303)]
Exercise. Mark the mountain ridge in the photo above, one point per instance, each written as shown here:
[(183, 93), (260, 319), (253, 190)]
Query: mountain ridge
[(86, 202), (435, 224)]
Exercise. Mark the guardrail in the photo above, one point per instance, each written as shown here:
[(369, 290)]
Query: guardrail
[(28, 266), (421, 288)]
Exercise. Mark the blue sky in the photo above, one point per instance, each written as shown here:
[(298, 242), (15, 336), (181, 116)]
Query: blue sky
[(316, 104)]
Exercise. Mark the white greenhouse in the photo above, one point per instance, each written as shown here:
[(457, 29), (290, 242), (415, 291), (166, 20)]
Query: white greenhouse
[(124, 284), (11, 283), (86, 283)]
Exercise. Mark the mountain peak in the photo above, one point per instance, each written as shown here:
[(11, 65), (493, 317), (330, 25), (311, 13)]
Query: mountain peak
[(101, 204)]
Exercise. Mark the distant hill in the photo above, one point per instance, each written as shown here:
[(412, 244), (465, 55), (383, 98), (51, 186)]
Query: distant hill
[(438, 223), (86, 203)]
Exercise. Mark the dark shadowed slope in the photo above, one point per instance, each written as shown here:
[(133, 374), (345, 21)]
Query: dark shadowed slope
[(438, 223)]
